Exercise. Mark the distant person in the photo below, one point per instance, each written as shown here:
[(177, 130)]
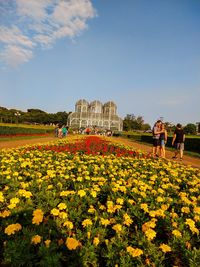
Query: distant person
[(60, 132), (87, 130), (64, 131), (163, 140), (156, 136), (56, 131), (178, 141)]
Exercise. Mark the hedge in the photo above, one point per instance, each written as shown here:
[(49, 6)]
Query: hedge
[(191, 143), (4, 130)]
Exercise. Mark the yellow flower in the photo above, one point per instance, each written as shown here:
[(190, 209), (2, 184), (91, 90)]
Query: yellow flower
[(117, 227), (91, 209), (93, 193), (68, 224), (150, 234), (81, 193), (185, 209), (120, 201), (14, 200), (12, 228), (5, 213), (160, 199), (86, 222), (1, 197), (176, 233), (72, 243), (55, 212), (134, 252), (105, 221), (197, 210), (36, 239), (37, 216), (165, 248), (144, 207), (96, 241), (127, 220), (62, 206), (47, 242)]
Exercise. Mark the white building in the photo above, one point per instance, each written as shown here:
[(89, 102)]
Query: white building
[(95, 114)]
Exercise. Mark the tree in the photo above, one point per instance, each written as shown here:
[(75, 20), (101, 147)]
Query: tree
[(190, 128), (131, 122)]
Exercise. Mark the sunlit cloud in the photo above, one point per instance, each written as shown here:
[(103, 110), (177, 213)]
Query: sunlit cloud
[(40, 23)]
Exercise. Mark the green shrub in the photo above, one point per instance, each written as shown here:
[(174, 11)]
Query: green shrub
[(4, 130)]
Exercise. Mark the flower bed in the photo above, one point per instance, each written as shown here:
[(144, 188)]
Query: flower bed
[(75, 207)]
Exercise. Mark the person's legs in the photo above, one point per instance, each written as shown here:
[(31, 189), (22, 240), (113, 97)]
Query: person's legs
[(177, 147), (181, 150)]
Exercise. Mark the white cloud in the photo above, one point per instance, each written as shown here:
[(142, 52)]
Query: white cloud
[(40, 23), (15, 55), (14, 36)]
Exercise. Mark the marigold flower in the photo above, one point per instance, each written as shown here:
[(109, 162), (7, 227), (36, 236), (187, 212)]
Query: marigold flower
[(68, 224), (37, 216), (165, 248), (5, 213), (144, 206), (96, 241), (117, 227), (55, 212), (176, 233), (47, 242), (62, 206), (72, 243), (86, 222), (81, 193), (127, 220), (104, 221), (1, 197), (150, 234), (36, 239), (12, 228), (134, 252)]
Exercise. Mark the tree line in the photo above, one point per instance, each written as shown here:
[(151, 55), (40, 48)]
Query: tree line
[(131, 122), (32, 116)]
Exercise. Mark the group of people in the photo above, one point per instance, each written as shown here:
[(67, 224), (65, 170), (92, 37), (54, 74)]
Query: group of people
[(160, 140), (61, 131)]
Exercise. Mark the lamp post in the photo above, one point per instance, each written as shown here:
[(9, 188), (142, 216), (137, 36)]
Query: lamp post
[(17, 114)]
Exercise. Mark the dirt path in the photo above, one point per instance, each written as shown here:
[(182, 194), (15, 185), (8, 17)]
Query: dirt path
[(192, 161)]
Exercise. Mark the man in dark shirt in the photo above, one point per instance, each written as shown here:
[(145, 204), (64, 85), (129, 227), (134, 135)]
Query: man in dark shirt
[(178, 141)]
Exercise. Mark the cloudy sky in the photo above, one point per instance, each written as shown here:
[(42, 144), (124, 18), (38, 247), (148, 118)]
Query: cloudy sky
[(144, 55)]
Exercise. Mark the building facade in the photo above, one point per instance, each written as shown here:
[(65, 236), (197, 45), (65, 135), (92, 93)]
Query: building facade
[(95, 114)]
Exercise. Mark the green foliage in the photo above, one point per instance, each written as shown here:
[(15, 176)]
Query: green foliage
[(32, 116), (6, 130), (131, 122), (190, 128)]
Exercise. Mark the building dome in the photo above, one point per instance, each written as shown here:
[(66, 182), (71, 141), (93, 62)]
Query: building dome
[(96, 106), (110, 104), (82, 102), (109, 108), (81, 106)]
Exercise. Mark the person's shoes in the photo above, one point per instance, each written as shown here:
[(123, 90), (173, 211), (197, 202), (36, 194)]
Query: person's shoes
[(181, 159), (174, 157), (157, 155)]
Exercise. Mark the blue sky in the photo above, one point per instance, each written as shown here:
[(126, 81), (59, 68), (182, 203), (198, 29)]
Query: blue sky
[(144, 55)]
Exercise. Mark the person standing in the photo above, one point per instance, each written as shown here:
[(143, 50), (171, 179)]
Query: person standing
[(156, 135), (178, 141), (163, 140)]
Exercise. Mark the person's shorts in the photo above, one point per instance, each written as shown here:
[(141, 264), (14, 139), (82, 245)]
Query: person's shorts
[(162, 142), (179, 146), (156, 142)]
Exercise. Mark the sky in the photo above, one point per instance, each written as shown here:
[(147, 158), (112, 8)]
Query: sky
[(143, 55)]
